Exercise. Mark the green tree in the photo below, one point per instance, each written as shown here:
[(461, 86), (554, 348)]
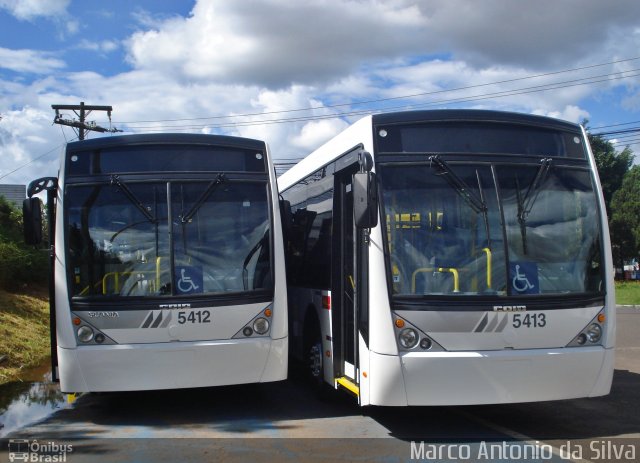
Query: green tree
[(612, 166), (10, 221), (625, 219), (19, 264)]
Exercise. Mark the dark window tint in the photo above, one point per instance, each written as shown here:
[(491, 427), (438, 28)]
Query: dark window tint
[(480, 138), (165, 158), (309, 246)]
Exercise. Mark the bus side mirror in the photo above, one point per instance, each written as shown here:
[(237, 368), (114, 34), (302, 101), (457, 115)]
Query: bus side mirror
[(365, 199), (32, 221)]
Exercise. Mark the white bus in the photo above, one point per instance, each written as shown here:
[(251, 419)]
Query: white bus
[(168, 263), (451, 257)]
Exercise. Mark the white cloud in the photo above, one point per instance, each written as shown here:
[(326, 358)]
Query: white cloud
[(32, 61), (299, 43), (229, 59), (570, 113), (53, 10), (313, 134), (25, 135), (103, 46), (277, 42), (31, 9), (541, 35)]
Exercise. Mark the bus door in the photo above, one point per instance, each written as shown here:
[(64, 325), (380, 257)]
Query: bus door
[(345, 284)]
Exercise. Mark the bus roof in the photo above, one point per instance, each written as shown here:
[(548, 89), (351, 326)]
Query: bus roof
[(342, 142), (166, 138), (472, 115)]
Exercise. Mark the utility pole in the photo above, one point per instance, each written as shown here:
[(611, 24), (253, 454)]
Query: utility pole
[(82, 111)]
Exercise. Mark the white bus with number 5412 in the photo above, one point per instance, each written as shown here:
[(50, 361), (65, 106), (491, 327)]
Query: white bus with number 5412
[(168, 264)]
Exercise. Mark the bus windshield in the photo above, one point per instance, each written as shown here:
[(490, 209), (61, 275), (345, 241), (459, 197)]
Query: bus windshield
[(168, 238), (531, 229)]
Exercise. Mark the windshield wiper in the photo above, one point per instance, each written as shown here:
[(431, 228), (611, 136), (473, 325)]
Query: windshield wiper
[(442, 168), (115, 180), (485, 212), (526, 204), (245, 273), (220, 179), (476, 203)]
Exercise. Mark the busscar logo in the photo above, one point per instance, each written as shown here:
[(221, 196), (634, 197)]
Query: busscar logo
[(509, 308)]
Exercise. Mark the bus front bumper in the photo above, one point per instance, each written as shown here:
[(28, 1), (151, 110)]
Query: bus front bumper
[(172, 365), (490, 377)]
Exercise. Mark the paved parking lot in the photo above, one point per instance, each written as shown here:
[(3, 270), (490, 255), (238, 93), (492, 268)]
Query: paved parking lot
[(219, 422)]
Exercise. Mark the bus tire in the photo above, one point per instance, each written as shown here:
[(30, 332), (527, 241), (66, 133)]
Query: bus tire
[(314, 361)]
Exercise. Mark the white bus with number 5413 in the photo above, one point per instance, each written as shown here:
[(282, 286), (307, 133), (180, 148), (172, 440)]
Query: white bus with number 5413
[(452, 257)]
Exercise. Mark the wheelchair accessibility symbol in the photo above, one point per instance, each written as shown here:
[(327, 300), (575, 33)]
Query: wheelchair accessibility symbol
[(524, 277), (188, 280)]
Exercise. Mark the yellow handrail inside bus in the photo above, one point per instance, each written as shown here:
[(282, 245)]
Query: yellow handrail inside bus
[(453, 271), (85, 291), (116, 279), (456, 277), (158, 259), (488, 252)]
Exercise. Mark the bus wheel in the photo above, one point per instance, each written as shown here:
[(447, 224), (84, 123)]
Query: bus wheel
[(315, 362), (315, 368)]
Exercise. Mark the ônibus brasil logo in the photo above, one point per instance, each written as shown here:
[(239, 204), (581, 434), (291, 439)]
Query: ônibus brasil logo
[(34, 451)]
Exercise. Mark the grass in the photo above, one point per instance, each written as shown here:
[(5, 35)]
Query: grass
[(24, 333), (628, 292)]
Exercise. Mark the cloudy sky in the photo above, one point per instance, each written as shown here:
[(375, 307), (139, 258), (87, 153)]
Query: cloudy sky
[(296, 73)]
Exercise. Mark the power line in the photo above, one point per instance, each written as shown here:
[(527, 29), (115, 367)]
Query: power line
[(380, 100), (479, 97), (616, 132), (623, 141), (616, 125), (31, 161), (622, 137), (632, 141)]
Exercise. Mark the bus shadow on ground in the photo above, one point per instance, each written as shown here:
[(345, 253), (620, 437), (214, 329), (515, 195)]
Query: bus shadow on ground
[(279, 409), (616, 414), (266, 409)]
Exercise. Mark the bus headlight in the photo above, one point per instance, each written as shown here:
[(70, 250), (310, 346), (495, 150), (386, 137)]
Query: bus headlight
[(85, 334), (425, 343), (261, 325), (408, 338), (594, 332)]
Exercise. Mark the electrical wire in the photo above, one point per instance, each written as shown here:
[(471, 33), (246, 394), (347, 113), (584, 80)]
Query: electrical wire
[(379, 100), (479, 97), (32, 161)]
